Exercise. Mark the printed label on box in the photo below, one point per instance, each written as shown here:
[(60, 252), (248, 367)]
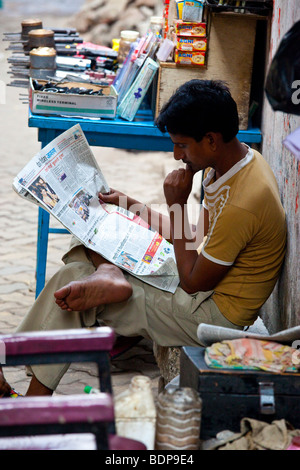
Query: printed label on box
[(191, 44), (70, 104), (189, 58), (190, 29)]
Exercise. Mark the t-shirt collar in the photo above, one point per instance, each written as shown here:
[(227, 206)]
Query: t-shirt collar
[(210, 188)]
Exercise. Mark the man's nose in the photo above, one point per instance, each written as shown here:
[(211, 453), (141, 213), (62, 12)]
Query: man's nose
[(178, 153)]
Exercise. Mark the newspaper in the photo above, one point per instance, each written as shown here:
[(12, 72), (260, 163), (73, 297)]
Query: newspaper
[(65, 179), (209, 334)]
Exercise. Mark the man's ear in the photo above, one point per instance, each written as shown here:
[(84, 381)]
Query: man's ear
[(213, 140)]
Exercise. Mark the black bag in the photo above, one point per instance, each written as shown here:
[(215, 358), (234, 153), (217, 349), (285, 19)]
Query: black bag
[(259, 7), (282, 89)]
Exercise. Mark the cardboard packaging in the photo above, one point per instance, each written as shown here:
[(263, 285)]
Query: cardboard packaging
[(132, 100), (192, 44), (190, 58), (63, 104), (184, 28)]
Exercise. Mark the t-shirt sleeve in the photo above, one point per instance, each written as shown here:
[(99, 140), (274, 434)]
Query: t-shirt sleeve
[(204, 202), (228, 235)]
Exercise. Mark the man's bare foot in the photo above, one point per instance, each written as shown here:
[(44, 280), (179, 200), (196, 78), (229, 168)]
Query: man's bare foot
[(107, 285)]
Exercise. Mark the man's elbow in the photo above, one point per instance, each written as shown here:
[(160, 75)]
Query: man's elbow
[(190, 289)]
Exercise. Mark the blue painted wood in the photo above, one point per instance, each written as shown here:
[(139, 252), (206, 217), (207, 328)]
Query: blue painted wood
[(140, 134), (59, 230), (42, 248)]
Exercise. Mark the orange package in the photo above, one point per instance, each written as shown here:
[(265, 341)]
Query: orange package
[(184, 28), (192, 44), (189, 58)]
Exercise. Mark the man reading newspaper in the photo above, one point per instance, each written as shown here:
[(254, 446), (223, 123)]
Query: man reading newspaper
[(223, 281)]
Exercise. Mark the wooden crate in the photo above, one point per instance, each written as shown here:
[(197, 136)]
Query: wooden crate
[(229, 58)]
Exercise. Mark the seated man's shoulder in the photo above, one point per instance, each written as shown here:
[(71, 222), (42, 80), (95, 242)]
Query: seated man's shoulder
[(257, 188)]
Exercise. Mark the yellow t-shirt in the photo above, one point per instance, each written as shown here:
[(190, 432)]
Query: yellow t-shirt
[(247, 231)]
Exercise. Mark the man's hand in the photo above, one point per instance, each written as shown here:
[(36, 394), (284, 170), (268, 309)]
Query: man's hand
[(114, 197), (178, 185)]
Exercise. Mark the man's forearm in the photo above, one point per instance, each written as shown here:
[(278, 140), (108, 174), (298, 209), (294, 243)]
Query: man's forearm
[(156, 220)]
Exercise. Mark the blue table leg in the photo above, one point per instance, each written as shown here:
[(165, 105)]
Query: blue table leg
[(42, 236), (42, 247)]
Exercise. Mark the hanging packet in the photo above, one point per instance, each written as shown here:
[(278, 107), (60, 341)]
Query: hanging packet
[(192, 11), (179, 8)]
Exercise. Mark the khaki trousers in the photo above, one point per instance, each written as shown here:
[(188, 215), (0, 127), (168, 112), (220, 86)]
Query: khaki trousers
[(167, 319)]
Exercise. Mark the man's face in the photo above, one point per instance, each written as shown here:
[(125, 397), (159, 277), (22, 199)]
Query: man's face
[(197, 155)]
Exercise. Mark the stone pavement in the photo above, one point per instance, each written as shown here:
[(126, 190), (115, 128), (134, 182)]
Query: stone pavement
[(128, 171)]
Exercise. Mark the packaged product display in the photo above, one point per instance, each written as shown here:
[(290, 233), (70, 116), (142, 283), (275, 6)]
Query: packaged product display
[(191, 44), (165, 50), (184, 28), (130, 104), (189, 33), (192, 11), (72, 99), (189, 58), (138, 67)]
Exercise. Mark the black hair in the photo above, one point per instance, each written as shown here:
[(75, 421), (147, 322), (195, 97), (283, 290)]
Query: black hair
[(198, 107)]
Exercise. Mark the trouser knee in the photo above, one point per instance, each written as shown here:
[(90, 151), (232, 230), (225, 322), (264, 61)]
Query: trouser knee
[(70, 272)]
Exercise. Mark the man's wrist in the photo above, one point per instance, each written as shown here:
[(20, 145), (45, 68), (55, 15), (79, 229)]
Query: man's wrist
[(177, 203)]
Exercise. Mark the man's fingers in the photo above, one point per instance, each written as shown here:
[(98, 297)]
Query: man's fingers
[(189, 175), (105, 197), (182, 175)]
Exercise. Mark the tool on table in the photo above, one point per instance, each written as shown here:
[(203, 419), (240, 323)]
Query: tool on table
[(54, 53)]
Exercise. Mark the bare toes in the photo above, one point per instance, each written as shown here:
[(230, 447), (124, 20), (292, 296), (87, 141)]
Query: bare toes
[(62, 293)]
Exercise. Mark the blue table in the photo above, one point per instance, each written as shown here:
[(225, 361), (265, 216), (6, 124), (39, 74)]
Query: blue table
[(140, 134)]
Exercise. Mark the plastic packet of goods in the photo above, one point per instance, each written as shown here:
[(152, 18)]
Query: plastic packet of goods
[(179, 8), (192, 11)]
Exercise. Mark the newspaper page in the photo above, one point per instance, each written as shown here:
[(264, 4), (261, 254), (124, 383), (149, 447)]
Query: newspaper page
[(65, 179), (209, 334)]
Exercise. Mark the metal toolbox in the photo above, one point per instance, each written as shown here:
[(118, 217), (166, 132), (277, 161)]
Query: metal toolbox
[(230, 395)]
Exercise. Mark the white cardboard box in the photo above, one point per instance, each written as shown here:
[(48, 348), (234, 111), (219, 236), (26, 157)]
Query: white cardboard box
[(63, 104)]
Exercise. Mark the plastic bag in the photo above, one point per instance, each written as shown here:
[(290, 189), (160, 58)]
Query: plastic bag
[(283, 81)]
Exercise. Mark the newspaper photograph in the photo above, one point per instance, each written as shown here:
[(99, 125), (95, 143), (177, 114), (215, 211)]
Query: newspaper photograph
[(64, 178)]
